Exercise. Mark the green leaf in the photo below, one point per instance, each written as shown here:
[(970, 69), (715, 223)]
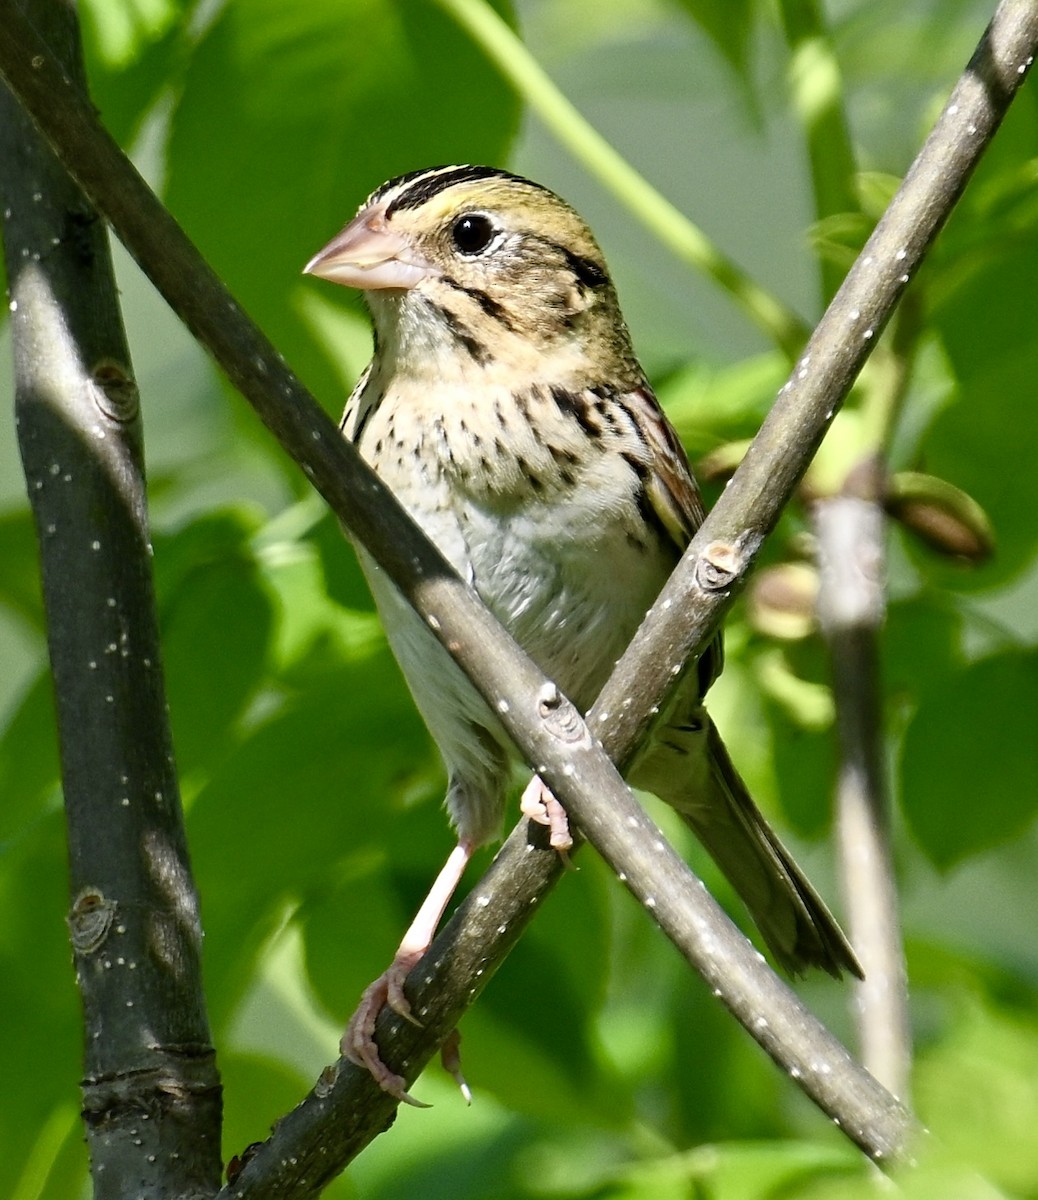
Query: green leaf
[(209, 539), (256, 1092), (985, 442), (134, 51), (539, 1059), (978, 1092), (120, 33), (342, 573), (29, 773), (920, 647), (805, 765), (728, 24), (217, 625), (20, 577), (304, 800), (353, 919), (731, 1093), (738, 1171), (711, 405), (291, 114), (987, 294), (970, 760), (315, 632), (37, 996)]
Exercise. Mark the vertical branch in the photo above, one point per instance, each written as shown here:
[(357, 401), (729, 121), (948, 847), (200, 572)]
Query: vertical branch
[(850, 530), (151, 1096)]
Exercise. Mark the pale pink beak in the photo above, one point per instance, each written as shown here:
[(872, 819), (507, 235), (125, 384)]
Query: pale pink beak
[(366, 254)]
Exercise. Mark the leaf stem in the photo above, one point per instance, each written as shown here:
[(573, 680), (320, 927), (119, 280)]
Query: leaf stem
[(680, 235), (816, 85)]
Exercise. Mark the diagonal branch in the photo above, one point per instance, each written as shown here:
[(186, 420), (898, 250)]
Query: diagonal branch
[(690, 607), (550, 735)]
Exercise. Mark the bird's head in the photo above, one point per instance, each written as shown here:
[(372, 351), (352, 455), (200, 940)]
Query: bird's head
[(482, 265)]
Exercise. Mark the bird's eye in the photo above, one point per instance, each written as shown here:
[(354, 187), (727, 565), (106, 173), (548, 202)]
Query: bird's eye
[(473, 232)]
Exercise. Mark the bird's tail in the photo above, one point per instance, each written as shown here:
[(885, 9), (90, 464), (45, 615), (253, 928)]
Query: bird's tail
[(687, 765)]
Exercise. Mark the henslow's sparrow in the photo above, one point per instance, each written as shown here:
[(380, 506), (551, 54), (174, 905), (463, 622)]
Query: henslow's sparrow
[(505, 408)]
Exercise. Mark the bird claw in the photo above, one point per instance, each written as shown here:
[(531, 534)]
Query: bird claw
[(394, 992), (450, 1057), (358, 1042), (358, 1045), (539, 804)]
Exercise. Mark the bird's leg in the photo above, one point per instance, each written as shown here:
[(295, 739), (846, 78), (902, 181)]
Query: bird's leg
[(540, 805), (358, 1042)]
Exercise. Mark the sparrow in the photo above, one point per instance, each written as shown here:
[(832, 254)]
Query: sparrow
[(505, 408)]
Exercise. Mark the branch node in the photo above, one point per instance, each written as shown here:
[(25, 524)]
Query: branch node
[(560, 716), (326, 1081), (114, 391), (719, 565), (549, 698), (90, 919)]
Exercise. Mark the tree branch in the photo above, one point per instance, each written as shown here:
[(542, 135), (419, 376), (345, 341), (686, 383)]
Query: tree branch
[(851, 530), (151, 1095), (714, 567), (549, 733)]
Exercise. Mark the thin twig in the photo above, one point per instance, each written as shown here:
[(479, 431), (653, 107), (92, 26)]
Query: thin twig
[(134, 918), (851, 530)]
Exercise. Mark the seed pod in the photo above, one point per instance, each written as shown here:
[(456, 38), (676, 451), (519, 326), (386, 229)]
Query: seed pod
[(719, 465), (781, 601), (941, 516)]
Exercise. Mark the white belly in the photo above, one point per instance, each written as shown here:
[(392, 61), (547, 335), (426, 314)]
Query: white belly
[(567, 566), (569, 590)]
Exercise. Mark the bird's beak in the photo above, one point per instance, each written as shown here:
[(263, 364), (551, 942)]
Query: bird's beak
[(366, 254)]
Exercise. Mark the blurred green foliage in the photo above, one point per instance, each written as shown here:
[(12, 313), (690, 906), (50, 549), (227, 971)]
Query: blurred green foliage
[(601, 1069)]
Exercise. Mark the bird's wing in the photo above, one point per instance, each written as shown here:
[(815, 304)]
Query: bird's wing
[(672, 491), (671, 488)]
